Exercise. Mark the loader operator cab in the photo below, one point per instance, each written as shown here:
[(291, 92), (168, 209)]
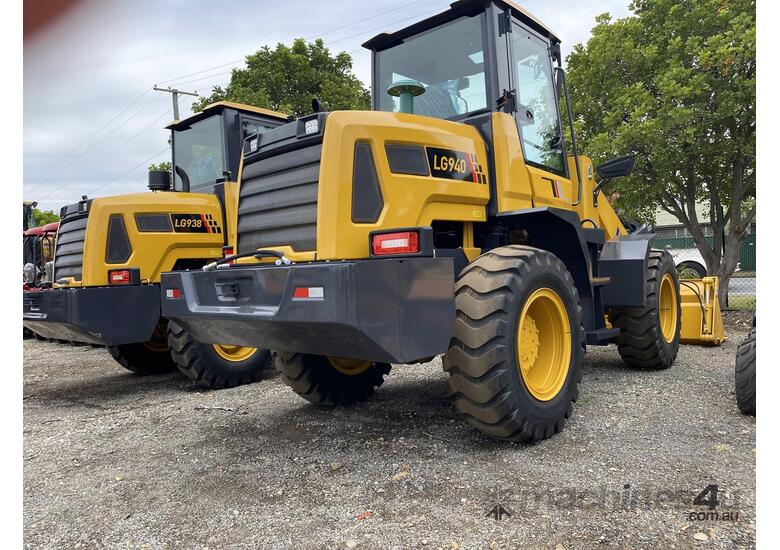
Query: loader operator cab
[(207, 146), (469, 61)]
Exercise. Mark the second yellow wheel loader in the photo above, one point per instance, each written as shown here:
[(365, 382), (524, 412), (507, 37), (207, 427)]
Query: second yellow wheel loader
[(454, 219), (111, 251)]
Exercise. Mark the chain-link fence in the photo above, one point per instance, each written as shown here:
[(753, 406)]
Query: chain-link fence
[(690, 265)]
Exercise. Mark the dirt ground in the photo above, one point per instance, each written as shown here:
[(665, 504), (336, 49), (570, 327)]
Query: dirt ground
[(115, 460)]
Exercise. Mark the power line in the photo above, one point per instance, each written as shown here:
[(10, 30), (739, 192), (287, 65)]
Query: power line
[(174, 97), (144, 129), (123, 174), (328, 44), (104, 138), (93, 134), (136, 167), (318, 35)]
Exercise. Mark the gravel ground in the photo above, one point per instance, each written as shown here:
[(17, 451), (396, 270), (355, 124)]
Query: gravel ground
[(117, 460)]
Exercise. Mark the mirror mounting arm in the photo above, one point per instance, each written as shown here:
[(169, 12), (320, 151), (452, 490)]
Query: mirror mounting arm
[(507, 102), (565, 86)]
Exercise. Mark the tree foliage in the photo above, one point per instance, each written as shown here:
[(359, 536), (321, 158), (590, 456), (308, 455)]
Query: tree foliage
[(675, 84), (42, 217), (164, 166), (286, 79)]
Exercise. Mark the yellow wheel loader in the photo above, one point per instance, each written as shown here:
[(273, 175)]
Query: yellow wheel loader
[(111, 251), (454, 219)]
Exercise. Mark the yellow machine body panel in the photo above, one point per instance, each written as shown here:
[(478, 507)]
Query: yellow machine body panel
[(195, 232), (513, 186), (409, 200), (602, 214), (702, 322)]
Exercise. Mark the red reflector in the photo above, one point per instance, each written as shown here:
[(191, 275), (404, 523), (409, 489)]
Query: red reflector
[(301, 292), (119, 277), (227, 251), (174, 293), (405, 242), (308, 293)]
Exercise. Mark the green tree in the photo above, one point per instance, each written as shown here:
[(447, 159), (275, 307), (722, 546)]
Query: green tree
[(42, 217), (675, 84), (164, 166), (286, 79)]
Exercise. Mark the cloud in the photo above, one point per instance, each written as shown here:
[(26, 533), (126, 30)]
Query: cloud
[(83, 70)]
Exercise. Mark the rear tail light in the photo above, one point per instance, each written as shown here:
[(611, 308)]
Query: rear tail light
[(130, 276), (227, 251), (119, 277), (405, 242)]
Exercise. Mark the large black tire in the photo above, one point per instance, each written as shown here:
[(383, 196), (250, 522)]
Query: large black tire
[(201, 362), (483, 364), (27, 333), (141, 359), (641, 342), (152, 357), (745, 375), (314, 378)]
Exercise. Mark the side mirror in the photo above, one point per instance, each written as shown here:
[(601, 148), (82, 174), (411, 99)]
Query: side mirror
[(616, 168)]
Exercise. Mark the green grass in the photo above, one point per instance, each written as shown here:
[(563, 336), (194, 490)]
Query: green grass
[(746, 303)]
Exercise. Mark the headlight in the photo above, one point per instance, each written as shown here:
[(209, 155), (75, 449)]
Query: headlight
[(312, 126), (253, 145), (29, 272)]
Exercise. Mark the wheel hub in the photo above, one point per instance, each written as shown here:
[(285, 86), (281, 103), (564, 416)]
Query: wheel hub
[(544, 348), (234, 354), (529, 344), (350, 367), (667, 308)]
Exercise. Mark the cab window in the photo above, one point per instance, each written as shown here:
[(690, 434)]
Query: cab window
[(542, 139), (250, 127), (447, 61), (199, 152)]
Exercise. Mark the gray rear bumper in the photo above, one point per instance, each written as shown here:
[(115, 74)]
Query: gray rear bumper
[(389, 310), (109, 316)]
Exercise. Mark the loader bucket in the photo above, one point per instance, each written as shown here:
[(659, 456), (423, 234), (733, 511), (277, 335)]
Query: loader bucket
[(702, 323)]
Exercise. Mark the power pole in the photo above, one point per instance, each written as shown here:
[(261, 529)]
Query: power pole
[(175, 96)]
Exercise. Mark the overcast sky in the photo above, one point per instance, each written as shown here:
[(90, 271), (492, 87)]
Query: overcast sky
[(102, 59)]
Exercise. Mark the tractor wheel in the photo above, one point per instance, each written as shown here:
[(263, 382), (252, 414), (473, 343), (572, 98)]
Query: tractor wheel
[(691, 270), (517, 345), (152, 357), (745, 375), (27, 333), (215, 366), (330, 381), (650, 336)]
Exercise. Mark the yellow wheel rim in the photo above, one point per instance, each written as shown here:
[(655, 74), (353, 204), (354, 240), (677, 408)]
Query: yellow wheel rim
[(234, 354), (544, 344), (158, 343), (667, 308), (350, 367)]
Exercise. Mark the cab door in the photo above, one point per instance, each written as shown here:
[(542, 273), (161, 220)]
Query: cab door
[(538, 119)]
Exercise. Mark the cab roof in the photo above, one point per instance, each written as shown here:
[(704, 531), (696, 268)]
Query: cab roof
[(460, 7), (218, 107)]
